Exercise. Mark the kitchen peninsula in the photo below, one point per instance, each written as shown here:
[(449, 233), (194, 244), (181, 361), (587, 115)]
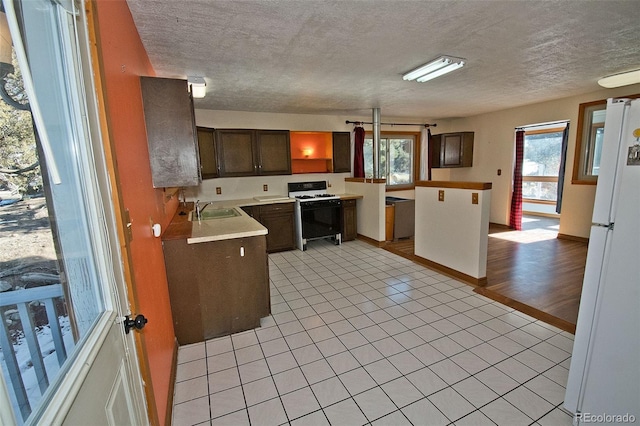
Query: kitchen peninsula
[(217, 272), (452, 227)]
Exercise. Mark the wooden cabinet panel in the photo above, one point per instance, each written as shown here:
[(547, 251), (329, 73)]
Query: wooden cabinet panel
[(235, 152), (274, 152), (349, 220), (207, 150), (452, 150), (248, 152), (217, 288), (171, 132), (279, 220), (341, 152)]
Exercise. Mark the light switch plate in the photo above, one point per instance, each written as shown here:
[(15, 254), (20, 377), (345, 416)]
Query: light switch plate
[(265, 188), (218, 190), (441, 195), (474, 198)]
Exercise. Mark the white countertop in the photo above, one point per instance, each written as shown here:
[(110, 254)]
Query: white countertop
[(232, 227), (239, 226), (225, 229)]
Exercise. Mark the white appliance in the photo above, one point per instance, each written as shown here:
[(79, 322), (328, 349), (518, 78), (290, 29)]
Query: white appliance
[(604, 377)]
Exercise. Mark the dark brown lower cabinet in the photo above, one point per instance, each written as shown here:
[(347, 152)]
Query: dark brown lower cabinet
[(349, 220), (279, 220), (217, 288)]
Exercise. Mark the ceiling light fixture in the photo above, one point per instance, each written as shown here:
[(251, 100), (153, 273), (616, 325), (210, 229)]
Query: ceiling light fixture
[(198, 87), (435, 68), (619, 80)]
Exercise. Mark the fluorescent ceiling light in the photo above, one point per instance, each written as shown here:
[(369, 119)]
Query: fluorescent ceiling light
[(435, 68), (618, 80), (441, 71), (198, 86)]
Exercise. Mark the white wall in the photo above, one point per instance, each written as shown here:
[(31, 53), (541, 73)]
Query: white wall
[(453, 233), (370, 209), (494, 149)]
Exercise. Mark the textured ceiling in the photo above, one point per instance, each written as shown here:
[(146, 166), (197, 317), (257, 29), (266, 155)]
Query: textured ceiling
[(346, 57)]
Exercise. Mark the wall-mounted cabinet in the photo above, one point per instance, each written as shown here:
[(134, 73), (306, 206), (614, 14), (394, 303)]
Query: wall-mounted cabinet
[(341, 152), (248, 152), (171, 132), (207, 150), (452, 150)]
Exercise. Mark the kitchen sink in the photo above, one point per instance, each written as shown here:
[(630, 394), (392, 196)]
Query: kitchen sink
[(209, 214)]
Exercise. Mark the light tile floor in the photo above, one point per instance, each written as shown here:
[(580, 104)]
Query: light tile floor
[(360, 336)]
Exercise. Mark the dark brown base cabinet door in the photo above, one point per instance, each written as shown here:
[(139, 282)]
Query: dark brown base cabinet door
[(349, 220), (281, 232), (279, 220), (217, 288)]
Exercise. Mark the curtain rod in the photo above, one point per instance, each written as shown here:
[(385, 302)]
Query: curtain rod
[(551, 123), (392, 124)]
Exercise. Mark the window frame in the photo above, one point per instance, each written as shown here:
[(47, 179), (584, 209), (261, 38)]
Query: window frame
[(416, 157), (542, 178), (583, 141)]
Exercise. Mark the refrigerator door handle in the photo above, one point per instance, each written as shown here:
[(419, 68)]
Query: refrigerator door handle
[(609, 226)]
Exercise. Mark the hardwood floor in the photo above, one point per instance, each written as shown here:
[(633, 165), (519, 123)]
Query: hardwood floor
[(530, 270)]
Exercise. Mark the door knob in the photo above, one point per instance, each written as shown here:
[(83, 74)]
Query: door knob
[(138, 323)]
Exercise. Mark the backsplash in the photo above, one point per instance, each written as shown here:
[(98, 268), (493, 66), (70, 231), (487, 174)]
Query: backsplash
[(249, 187)]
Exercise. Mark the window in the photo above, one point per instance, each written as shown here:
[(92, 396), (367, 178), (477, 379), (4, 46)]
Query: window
[(541, 164), (396, 158), (589, 137)]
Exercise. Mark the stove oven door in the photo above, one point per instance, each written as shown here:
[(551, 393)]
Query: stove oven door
[(321, 219)]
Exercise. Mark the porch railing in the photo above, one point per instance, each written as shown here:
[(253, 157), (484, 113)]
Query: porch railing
[(22, 300)]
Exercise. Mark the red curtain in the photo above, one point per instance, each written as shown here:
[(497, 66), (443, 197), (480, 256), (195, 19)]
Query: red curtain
[(429, 164), (515, 218), (358, 152)]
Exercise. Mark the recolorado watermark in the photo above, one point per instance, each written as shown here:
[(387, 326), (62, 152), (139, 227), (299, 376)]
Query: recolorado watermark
[(604, 418)]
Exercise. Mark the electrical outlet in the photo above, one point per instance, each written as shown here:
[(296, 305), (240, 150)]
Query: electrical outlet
[(265, 188), (474, 198), (218, 190), (441, 195), (499, 172), (328, 184)]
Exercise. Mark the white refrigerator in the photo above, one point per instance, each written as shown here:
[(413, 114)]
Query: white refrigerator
[(604, 376)]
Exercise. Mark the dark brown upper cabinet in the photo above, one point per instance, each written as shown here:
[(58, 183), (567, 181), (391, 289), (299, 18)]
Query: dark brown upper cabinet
[(452, 150), (341, 152), (171, 132), (207, 150), (248, 152)]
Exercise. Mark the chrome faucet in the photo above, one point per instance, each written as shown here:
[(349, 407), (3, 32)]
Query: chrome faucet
[(200, 209)]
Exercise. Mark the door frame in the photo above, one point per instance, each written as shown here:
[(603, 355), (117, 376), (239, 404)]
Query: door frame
[(62, 395), (121, 214)]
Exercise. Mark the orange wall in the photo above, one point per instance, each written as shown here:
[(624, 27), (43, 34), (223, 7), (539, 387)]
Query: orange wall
[(319, 144), (124, 60)]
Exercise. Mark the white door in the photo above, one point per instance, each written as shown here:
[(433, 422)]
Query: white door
[(97, 380)]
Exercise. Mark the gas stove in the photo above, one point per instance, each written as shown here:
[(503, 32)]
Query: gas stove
[(310, 191), (317, 213), (316, 197)]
